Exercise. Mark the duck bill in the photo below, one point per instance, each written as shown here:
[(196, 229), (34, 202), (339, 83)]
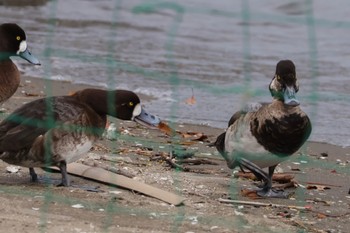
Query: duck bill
[(26, 55), (289, 97), (147, 119)]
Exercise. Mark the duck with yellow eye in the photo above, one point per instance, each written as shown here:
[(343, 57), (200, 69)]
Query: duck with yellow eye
[(12, 43), (266, 134), (57, 130)]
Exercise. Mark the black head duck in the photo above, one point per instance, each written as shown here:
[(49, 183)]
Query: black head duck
[(12, 43), (268, 133), (54, 131)]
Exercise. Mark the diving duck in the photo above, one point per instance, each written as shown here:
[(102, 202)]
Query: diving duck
[(12, 43), (269, 133), (57, 130)]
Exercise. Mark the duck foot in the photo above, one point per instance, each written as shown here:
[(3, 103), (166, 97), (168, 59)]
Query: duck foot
[(273, 193)]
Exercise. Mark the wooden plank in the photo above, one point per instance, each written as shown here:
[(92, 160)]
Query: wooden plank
[(102, 175)]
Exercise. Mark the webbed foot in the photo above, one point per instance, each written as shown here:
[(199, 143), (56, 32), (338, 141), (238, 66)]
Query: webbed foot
[(273, 193)]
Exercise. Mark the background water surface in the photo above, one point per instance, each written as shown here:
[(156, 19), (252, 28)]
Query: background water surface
[(225, 50)]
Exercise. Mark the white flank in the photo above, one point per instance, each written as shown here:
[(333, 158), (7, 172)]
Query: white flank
[(77, 150), (240, 142)]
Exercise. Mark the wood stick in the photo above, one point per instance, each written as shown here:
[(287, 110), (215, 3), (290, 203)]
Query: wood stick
[(263, 204), (101, 175)]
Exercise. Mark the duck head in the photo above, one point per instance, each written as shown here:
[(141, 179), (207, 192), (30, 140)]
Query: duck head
[(13, 43), (129, 107), (122, 104), (284, 84)]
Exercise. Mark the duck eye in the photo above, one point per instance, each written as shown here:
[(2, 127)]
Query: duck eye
[(278, 78), (131, 104), (18, 38)]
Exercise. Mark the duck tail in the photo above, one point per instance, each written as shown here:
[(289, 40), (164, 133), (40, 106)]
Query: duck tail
[(220, 143)]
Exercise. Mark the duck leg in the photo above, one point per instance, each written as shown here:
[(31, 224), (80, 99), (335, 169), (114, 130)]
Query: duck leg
[(271, 171), (266, 189), (33, 175), (63, 168)]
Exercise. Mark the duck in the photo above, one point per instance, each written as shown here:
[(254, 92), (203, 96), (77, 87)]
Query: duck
[(12, 43), (266, 134), (58, 130)]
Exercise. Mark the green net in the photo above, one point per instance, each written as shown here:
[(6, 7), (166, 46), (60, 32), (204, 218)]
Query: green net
[(223, 53)]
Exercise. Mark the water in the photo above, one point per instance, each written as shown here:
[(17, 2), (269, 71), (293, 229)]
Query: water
[(225, 50)]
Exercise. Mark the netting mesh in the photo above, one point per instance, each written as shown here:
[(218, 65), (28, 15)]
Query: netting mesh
[(223, 53)]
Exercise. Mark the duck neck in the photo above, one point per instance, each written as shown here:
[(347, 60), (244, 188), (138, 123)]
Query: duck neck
[(4, 56)]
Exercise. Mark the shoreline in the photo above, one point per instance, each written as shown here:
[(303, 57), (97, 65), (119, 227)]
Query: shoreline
[(33, 87)]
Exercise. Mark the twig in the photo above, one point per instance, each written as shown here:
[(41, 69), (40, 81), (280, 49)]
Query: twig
[(170, 161), (317, 183), (308, 208), (331, 215), (197, 194), (279, 177), (305, 227), (291, 184), (198, 161), (201, 171), (263, 204)]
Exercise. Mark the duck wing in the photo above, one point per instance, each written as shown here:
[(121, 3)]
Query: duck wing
[(20, 129)]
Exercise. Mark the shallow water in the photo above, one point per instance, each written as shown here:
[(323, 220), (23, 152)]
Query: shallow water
[(225, 50)]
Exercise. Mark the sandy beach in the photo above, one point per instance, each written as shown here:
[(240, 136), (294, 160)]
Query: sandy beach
[(321, 174)]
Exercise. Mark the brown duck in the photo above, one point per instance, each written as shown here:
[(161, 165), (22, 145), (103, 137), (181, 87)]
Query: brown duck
[(12, 43), (54, 131), (267, 134)]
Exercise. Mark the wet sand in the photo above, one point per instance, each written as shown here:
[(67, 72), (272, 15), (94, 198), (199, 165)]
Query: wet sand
[(28, 207)]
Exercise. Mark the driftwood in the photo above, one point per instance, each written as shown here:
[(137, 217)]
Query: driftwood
[(253, 203), (101, 175)]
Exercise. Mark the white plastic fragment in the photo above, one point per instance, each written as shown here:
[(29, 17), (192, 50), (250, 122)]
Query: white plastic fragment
[(12, 169), (78, 206), (238, 213), (115, 192)]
